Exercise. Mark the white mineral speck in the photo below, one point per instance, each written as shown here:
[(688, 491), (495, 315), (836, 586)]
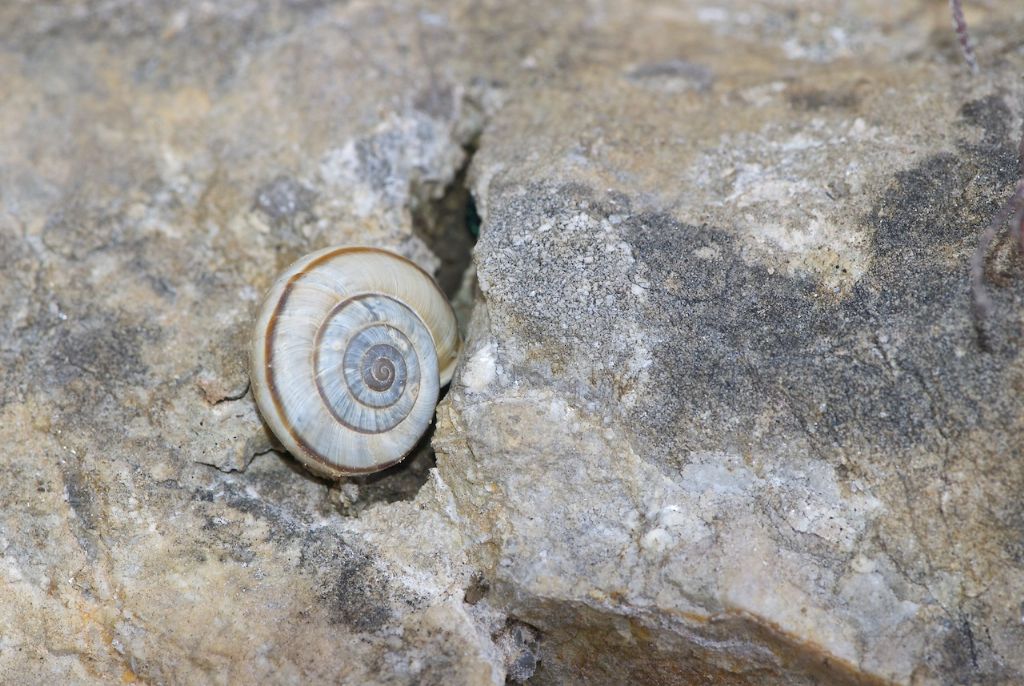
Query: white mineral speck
[(480, 370), (656, 540)]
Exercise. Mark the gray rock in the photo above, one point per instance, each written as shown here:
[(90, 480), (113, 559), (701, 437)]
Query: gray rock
[(723, 414)]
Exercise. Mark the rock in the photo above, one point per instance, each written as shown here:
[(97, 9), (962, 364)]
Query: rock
[(161, 164), (723, 413), (763, 442)]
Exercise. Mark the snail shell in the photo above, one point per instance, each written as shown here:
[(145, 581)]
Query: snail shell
[(351, 347)]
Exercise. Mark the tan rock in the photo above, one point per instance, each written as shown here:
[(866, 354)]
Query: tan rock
[(722, 415)]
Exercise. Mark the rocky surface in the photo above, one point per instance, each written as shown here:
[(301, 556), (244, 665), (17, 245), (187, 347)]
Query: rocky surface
[(723, 415)]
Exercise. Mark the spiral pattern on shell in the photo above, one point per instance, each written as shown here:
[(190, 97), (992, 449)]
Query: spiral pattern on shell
[(349, 352)]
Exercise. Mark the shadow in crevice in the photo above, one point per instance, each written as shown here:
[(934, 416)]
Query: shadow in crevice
[(449, 226), (351, 495)]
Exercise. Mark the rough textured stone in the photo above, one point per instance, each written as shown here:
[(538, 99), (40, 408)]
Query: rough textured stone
[(737, 314), (723, 415)]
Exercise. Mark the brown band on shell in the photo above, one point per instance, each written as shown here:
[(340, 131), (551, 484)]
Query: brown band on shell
[(275, 395)]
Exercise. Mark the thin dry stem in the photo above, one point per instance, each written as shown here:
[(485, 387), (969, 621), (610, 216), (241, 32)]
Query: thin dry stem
[(960, 26), (982, 301), (1017, 228)]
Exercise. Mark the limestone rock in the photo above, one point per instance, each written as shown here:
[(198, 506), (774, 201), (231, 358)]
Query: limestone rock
[(161, 164), (723, 414)]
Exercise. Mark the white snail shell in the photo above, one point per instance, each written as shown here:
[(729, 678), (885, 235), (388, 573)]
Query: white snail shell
[(351, 347)]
